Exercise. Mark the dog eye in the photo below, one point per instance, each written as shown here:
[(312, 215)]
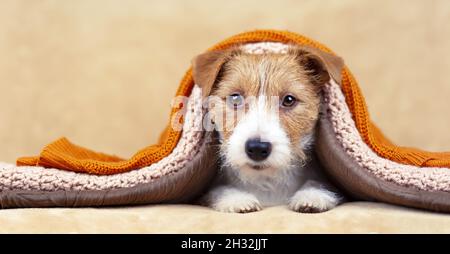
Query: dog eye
[(235, 100), (288, 101)]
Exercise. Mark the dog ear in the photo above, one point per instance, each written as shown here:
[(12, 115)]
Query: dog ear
[(321, 66), (206, 68)]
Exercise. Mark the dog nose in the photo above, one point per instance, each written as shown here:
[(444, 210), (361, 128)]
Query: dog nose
[(257, 150)]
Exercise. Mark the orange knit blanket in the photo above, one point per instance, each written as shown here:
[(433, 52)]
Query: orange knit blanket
[(64, 155)]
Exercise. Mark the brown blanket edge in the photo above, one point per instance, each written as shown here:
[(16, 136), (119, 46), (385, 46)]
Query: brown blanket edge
[(188, 183), (363, 185), (179, 187)]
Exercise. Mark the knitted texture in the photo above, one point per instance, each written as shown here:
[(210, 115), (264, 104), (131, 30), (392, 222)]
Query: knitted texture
[(51, 179), (64, 155), (337, 110), (430, 179), (423, 178)]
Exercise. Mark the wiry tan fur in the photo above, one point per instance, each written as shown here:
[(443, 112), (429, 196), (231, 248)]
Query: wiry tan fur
[(283, 75), (264, 80)]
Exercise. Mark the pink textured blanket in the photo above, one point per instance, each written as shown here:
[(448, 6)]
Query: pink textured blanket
[(191, 162)]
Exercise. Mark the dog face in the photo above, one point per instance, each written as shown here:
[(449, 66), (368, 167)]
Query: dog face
[(265, 106)]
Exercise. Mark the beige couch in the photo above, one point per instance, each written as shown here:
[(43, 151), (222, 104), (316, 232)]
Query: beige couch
[(102, 73), (358, 217)]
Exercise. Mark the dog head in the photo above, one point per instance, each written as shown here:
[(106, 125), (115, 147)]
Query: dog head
[(265, 106)]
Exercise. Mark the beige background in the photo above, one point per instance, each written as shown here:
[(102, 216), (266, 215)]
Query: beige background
[(103, 72)]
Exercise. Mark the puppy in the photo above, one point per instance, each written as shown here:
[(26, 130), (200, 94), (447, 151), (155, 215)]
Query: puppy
[(265, 107)]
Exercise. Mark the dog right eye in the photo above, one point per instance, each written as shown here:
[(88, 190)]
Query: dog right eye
[(235, 100)]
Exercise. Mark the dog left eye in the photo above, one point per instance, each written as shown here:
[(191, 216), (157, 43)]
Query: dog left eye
[(288, 101), (235, 100)]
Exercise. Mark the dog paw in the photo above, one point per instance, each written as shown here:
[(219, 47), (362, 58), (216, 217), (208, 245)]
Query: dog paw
[(238, 203), (313, 200)]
